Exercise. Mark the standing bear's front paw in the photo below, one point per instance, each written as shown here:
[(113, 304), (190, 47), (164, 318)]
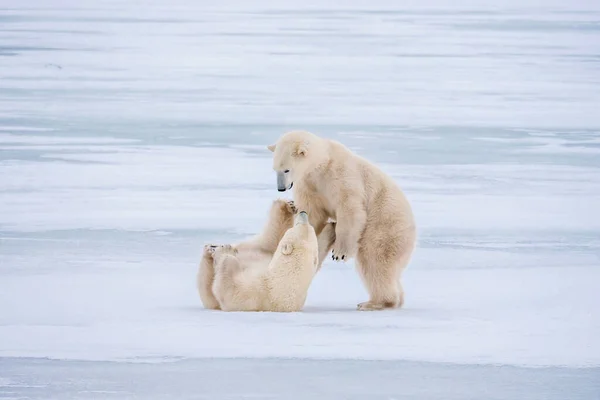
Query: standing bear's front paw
[(338, 255), (340, 252)]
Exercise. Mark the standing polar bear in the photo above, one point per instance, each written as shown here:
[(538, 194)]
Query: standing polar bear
[(270, 272), (374, 221)]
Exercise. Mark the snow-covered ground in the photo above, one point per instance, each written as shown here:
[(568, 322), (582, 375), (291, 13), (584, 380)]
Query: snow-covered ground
[(130, 136)]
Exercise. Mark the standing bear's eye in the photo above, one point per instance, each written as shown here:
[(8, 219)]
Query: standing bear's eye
[(286, 171)]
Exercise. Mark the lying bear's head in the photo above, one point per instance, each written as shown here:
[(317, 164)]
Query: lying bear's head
[(294, 154), (301, 218), (299, 237)]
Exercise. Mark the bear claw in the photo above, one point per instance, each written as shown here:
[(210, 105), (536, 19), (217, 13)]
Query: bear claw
[(338, 258)]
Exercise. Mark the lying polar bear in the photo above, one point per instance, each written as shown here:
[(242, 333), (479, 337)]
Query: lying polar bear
[(270, 272)]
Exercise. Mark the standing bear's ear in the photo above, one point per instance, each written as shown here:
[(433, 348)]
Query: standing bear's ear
[(301, 149), (271, 147)]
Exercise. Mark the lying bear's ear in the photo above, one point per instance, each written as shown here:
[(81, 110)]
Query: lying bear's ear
[(287, 248), (271, 147), (301, 149)]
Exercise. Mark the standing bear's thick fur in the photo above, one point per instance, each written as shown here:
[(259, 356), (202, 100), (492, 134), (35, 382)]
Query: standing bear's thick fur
[(269, 272), (374, 221)]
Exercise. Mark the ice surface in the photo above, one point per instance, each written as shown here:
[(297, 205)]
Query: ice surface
[(268, 379), (131, 135)]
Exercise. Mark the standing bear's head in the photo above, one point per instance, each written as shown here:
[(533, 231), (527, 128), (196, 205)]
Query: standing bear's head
[(294, 155)]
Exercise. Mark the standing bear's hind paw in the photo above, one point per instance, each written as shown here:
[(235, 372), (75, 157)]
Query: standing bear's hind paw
[(371, 306)]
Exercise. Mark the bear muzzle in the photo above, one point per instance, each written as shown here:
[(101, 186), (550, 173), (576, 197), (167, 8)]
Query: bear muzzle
[(302, 218), (281, 184)]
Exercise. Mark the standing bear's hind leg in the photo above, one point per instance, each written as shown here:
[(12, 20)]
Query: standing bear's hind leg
[(381, 269), (383, 284)]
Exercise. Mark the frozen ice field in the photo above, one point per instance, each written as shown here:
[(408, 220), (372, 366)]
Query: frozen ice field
[(131, 134)]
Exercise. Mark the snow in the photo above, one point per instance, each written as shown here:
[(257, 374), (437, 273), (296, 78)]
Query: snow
[(109, 242), (131, 136)]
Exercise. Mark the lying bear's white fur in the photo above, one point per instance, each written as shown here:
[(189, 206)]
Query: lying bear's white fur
[(270, 272)]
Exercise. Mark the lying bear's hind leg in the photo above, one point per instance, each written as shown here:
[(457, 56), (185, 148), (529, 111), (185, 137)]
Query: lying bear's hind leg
[(223, 251), (226, 286), (205, 279)]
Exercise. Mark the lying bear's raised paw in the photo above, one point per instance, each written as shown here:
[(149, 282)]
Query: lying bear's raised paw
[(286, 206), (291, 206)]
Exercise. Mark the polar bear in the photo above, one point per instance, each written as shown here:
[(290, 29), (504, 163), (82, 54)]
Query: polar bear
[(375, 222), (228, 273)]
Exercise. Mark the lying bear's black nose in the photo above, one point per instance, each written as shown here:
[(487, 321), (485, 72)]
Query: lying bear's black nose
[(281, 190)]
